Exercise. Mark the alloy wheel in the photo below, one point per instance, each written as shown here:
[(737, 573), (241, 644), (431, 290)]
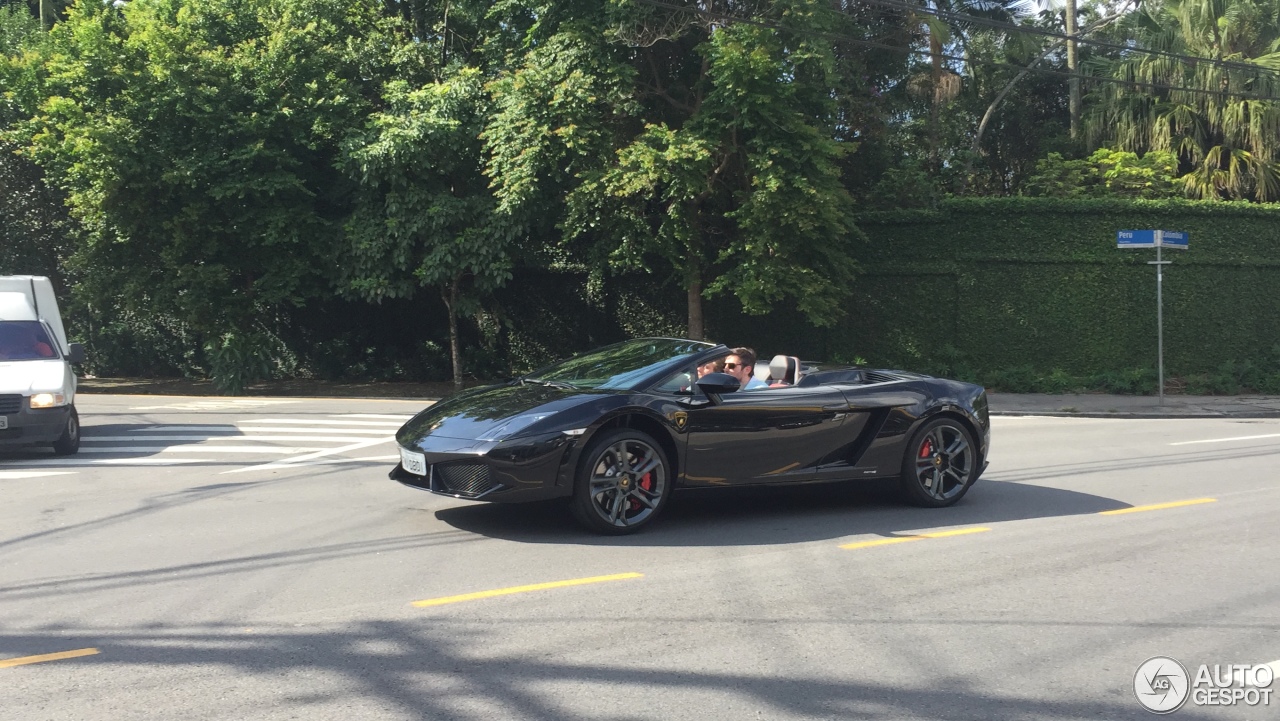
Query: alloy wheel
[(944, 462), (627, 482)]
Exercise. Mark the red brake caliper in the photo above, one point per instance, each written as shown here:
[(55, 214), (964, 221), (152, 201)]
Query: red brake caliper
[(927, 448), (646, 482)]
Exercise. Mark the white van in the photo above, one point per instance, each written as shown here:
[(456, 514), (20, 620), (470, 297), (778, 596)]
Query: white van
[(37, 385)]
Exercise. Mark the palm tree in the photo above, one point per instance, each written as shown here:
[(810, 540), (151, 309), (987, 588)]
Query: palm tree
[(1213, 108), (943, 22)]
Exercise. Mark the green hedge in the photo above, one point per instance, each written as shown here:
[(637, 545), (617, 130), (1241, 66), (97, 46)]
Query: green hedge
[(1007, 282)]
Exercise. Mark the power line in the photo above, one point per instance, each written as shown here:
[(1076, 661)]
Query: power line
[(1032, 30), (836, 37)]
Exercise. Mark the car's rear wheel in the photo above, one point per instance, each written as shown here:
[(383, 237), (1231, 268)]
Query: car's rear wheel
[(940, 464), (622, 484), (69, 442)]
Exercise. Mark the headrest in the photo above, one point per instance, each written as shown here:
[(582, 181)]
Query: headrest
[(778, 366), (783, 368), (762, 371)]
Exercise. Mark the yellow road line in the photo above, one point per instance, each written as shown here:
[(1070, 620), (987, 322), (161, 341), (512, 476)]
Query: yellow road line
[(1158, 506), (24, 660), (523, 589), (920, 537)]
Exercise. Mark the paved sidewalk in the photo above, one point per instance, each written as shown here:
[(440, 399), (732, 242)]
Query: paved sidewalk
[(1090, 405)]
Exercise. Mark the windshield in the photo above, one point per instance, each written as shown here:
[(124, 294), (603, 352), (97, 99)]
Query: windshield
[(618, 366), (25, 340)]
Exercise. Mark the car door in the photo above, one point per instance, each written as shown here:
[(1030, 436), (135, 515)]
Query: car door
[(777, 435)]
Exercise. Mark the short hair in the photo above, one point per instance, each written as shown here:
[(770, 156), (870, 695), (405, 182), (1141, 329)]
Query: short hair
[(747, 355)]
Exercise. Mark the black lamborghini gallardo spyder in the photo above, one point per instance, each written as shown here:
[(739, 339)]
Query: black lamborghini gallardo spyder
[(615, 430)]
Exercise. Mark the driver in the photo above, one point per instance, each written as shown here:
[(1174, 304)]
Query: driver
[(741, 364)]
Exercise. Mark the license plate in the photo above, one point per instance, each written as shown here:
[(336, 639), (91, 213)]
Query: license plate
[(415, 463), (4, 422)]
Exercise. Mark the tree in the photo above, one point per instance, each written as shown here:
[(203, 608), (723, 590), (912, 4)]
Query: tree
[(704, 149), (1213, 113), (34, 226), (197, 144), (424, 216)]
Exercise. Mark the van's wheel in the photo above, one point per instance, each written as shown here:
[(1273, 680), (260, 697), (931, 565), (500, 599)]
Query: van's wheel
[(940, 464), (622, 483), (69, 442)]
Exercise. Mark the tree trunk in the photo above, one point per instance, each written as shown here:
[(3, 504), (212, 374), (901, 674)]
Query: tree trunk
[(697, 331), (1073, 67), (455, 353), (935, 109)]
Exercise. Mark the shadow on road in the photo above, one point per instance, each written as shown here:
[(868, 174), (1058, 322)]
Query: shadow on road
[(765, 516), (452, 668)]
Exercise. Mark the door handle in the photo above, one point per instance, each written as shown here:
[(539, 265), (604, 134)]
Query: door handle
[(836, 407)]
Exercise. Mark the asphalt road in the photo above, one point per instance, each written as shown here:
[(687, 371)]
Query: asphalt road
[(273, 575)]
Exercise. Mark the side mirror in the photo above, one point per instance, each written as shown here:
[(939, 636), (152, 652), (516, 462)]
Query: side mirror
[(715, 384), (75, 353)]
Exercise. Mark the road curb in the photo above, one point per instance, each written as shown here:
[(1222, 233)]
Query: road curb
[(1136, 415)]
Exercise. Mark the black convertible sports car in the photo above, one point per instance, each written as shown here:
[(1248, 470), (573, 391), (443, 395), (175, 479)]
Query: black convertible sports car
[(616, 429)]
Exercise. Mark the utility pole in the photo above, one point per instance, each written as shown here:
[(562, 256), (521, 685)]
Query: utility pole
[(1073, 67)]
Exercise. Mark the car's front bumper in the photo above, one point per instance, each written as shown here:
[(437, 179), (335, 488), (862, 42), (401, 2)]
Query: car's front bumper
[(516, 470), (27, 426)]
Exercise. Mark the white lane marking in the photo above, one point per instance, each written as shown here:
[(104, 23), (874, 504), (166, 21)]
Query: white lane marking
[(218, 405), (229, 430), (378, 458), (187, 448), (118, 461), (15, 475), (287, 462), (1224, 440), (384, 424), (375, 415), (228, 437)]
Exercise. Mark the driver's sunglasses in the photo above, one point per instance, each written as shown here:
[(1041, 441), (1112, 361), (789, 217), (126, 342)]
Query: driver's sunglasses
[(730, 366)]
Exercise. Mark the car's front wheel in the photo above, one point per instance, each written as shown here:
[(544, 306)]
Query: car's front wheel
[(69, 442), (940, 464), (622, 484)]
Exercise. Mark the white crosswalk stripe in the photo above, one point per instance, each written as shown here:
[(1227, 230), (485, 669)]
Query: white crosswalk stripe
[(302, 441), (230, 429), (311, 421), (225, 437)]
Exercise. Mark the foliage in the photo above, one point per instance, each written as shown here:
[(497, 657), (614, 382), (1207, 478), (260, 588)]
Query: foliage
[(1008, 282), (34, 226), (700, 164), (237, 359), (16, 26), (1107, 174), (196, 145), (424, 216), (1230, 144)]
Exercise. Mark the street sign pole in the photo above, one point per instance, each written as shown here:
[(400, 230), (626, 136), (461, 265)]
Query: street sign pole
[(1160, 320), (1155, 239)]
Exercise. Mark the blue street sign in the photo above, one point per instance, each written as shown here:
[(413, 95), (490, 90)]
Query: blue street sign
[(1176, 239), (1136, 238)]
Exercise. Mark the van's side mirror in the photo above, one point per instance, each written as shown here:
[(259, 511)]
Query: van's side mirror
[(75, 353), (715, 384)]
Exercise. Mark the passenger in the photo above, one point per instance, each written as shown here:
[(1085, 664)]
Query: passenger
[(741, 364), (715, 366)]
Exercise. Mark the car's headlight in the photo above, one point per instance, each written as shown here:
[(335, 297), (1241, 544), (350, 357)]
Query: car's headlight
[(512, 427), (48, 400)]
